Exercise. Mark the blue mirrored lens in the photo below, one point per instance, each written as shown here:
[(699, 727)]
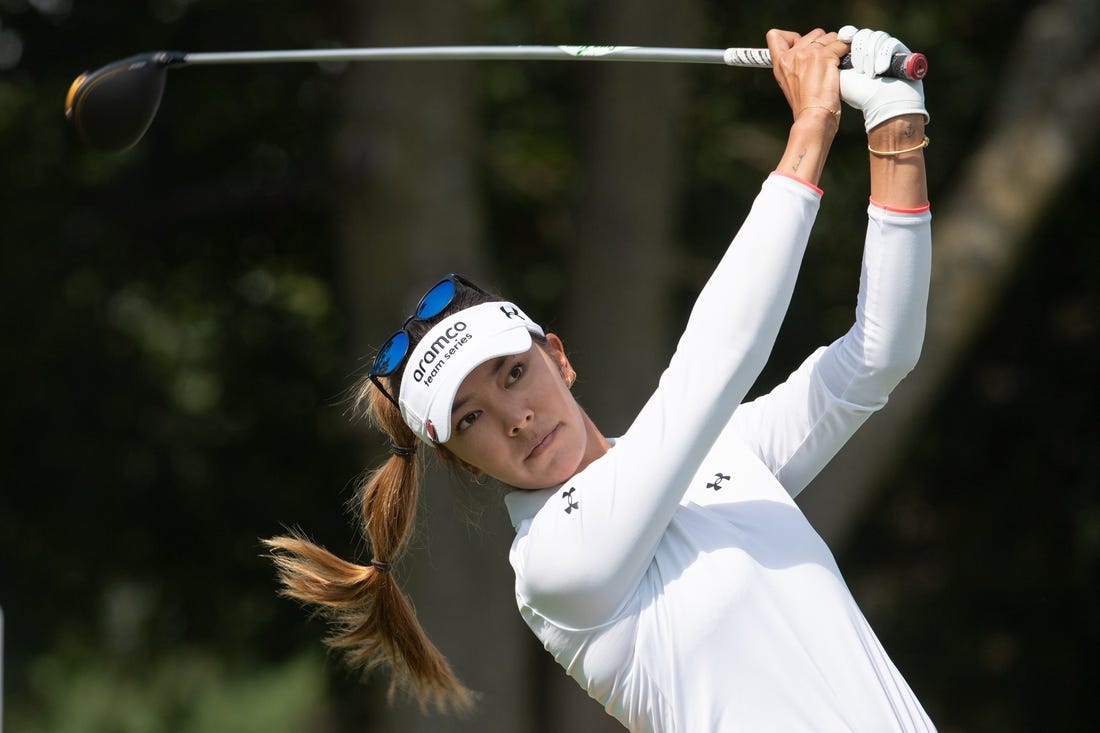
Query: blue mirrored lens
[(390, 355), (436, 299)]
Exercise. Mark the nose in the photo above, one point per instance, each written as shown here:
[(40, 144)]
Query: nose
[(520, 418)]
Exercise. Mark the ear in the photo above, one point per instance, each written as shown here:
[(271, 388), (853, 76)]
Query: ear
[(555, 349)]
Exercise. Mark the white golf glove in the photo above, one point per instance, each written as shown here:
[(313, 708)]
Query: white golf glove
[(880, 97)]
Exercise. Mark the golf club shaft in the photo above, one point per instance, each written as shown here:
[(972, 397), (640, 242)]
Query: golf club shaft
[(112, 107), (733, 57), (904, 65)]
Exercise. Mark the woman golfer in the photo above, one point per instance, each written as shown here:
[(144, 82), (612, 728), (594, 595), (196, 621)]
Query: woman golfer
[(669, 570)]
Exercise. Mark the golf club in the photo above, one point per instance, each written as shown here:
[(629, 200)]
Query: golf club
[(112, 107)]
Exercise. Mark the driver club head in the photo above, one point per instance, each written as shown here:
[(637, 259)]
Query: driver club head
[(112, 107)]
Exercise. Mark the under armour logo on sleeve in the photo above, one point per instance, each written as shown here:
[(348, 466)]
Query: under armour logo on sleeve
[(570, 505), (718, 479)]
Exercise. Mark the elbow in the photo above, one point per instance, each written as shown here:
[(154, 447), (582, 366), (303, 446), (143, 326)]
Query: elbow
[(907, 350), (890, 349), (577, 601), (888, 366)]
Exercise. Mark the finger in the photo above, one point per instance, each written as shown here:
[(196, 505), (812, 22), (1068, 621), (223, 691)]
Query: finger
[(879, 53), (837, 48), (780, 40), (816, 36), (824, 44), (863, 51), (884, 54), (829, 42)]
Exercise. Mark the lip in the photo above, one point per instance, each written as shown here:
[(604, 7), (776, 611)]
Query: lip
[(543, 444)]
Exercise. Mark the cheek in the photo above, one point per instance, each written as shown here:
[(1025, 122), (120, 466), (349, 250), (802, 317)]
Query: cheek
[(467, 449)]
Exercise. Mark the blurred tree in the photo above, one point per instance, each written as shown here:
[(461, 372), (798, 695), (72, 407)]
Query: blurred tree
[(406, 163), (619, 271), (176, 347), (178, 321), (1041, 131)]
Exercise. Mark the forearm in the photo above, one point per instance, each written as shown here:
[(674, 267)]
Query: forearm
[(801, 424), (808, 145), (898, 181), (738, 312), (885, 341)]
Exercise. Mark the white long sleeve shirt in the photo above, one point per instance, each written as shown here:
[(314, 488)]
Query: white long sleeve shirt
[(675, 579)]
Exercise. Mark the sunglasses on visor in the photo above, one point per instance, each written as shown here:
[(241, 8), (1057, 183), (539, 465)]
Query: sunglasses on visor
[(393, 353)]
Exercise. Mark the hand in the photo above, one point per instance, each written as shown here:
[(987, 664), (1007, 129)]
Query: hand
[(880, 98), (806, 69)]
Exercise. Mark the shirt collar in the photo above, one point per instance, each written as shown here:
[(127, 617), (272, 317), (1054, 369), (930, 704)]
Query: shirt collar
[(525, 504)]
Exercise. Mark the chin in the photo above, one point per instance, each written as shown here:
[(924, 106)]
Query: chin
[(564, 469), (552, 476)]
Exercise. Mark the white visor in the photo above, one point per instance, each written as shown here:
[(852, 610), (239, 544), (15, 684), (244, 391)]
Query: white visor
[(452, 349)]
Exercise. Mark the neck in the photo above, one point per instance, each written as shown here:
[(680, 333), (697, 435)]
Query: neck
[(596, 446)]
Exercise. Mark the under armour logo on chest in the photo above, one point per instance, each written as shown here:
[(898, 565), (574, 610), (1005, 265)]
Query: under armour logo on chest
[(570, 505), (718, 479)]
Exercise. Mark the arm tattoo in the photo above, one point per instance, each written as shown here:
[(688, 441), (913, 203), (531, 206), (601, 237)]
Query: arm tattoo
[(798, 162)]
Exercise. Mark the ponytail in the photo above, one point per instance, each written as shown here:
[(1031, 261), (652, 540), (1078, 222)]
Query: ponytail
[(372, 623)]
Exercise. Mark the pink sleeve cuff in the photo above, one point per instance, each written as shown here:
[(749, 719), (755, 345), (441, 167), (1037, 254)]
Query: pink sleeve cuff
[(901, 210), (803, 181)]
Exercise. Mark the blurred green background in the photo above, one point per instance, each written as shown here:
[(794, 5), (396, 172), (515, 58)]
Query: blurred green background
[(182, 322)]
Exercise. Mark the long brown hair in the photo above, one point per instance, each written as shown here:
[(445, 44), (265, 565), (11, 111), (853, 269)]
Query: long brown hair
[(372, 623)]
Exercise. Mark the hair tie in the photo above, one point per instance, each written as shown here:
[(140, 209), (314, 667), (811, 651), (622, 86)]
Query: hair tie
[(382, 567), (403, 451)]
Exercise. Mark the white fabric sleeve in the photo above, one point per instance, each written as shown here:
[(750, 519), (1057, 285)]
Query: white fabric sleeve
[(799, 426), (577, 567)]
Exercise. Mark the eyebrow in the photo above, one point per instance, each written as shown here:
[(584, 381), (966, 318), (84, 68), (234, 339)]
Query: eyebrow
[(498, 364)]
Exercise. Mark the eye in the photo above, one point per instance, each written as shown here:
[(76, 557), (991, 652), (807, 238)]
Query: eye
[(466, 421), (515, 372)]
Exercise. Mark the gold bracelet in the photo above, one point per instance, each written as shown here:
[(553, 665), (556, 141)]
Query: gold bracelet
[(834, 112), (891, 153)]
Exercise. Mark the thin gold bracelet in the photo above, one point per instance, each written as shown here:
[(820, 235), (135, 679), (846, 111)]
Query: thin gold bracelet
[(834, 112), (891, 153)]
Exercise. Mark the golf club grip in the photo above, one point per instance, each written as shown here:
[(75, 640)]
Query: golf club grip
[(911, 66)]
